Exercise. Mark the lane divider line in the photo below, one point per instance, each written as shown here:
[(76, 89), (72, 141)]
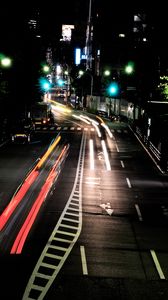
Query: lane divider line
[(157, 264), (128, 182), (117, 147), (83, 259), (122, 164), (138, 212)]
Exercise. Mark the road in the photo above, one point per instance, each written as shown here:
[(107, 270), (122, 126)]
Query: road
[(101, 231)]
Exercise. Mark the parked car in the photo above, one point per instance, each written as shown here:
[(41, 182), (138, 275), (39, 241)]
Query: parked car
[(102, 113), (22, 131)]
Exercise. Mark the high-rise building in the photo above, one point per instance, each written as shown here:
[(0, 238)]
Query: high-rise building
[(130, 35)]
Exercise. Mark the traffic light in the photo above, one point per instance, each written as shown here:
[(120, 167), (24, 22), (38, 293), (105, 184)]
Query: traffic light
[(113, 89), (60, 82), (44, 84)]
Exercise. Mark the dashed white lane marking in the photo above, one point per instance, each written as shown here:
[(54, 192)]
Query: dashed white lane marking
[(83, 259), (128, 182), (157, 264), (138, 212), (122, 164), (117, 148)]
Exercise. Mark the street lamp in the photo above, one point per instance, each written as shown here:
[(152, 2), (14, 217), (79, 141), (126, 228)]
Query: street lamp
[(6, 62), (129, 69), (106, 73), (46, 69)]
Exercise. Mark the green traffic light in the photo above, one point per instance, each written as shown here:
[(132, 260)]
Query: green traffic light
[(44, 84), (60, 82), (113, 89)]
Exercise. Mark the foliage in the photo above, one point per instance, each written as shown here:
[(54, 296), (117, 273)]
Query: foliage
[(163, 87)]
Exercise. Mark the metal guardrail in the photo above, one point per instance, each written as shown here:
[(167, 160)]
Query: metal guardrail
[(154, 151)]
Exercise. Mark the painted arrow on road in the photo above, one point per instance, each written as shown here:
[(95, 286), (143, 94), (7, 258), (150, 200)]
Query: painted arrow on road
[(107, 208)]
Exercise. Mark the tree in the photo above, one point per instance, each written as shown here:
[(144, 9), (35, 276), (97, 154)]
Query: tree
[(163, 87)]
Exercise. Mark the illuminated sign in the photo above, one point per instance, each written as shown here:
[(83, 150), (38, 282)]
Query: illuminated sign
[(67, 32), (77, 56)]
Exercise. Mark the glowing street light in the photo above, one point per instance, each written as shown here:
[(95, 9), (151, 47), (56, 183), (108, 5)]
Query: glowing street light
[(81, 72), (129, 69), (107, 73), (46, 68), (6, 62)]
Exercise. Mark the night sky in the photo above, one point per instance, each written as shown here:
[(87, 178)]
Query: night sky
[(114, 16), (54, 13)]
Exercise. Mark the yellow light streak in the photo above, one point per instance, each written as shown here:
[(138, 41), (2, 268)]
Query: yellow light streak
[(50, 149)]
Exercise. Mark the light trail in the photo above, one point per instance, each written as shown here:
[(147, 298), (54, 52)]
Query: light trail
[(48, 152), (108, 166), (24, 231), (107, 129), (97, 129), (25, 186), (91, 147), (17, 198)]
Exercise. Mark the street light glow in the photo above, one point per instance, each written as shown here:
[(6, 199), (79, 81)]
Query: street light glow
[(6, 62), (129, 69), (46, 68), (106, 72)]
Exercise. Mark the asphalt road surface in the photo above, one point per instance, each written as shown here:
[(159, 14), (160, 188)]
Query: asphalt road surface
[(103, 226)]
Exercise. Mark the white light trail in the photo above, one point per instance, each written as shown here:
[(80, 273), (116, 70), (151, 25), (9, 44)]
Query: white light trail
[(84, 119), (97, 129), (91, 154), (108, 166), (107, 129)]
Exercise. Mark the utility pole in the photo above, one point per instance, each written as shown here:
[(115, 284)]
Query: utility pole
[(89, 37)]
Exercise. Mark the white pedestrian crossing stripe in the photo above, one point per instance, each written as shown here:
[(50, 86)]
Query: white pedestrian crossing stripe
[(74, 128)]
